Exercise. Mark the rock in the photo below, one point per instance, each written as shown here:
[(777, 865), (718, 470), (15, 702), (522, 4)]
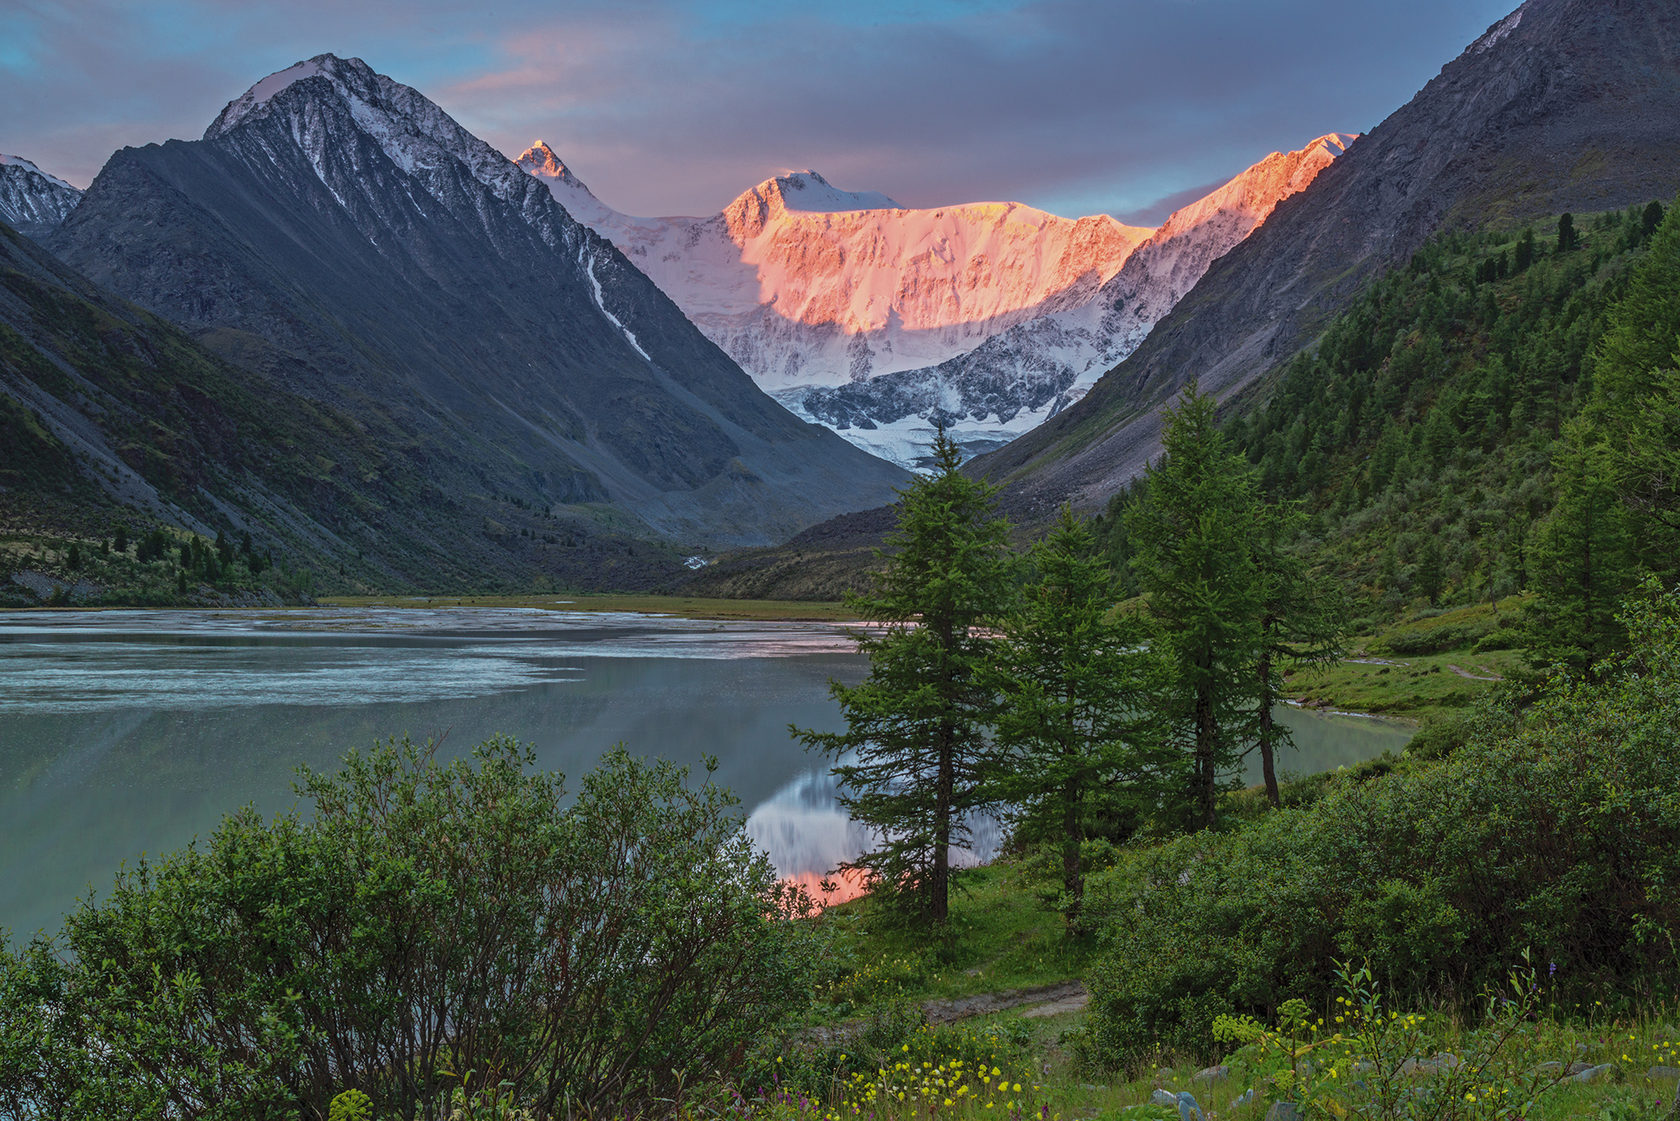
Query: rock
[(1211, 1075), (1444, 1060), (1164, 1097), (1247, 1096), (1284, 1111), (1593, 1074), (1577, 1067), (1552, 1067), (1663, 1074), (1188, 1110)]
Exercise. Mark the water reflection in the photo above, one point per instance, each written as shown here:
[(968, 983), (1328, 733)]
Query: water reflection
[(125, 732)]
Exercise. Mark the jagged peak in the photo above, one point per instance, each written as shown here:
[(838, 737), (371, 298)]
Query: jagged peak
[(1332, 143), (543, 162), (1259, 187), (29, 165), (807, 191), (253, 100), (412, 130)]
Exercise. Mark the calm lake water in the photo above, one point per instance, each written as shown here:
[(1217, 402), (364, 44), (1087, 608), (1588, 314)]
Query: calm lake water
[(129, 732)]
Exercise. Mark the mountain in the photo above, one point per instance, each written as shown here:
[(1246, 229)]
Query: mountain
[(344, 241), (112, 417), (1563, 106), (31, 201), (807, 285), (1019, 377)]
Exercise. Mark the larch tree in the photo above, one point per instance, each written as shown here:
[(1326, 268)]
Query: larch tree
[(1300, 624), (1194, 533), (1077, 732), (917, 746)]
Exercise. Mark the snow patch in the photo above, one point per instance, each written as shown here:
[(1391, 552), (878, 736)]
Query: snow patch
[(587, 260), (28, 165), (807, 192), (1499, 32), (259, 94)]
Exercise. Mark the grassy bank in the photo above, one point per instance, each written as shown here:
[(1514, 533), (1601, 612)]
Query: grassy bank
[(1356, 1057), (1428, 666)]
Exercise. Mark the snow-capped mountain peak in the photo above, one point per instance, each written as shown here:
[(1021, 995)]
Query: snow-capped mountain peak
[(543, 162), (29, 165), (413, 131), (32, 201), (568, 190), (807, 192)]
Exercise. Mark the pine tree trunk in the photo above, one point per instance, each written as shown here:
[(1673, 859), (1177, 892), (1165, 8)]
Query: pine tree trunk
[(940, 882), (1267, 764), (1073, 879), (1207, 743)]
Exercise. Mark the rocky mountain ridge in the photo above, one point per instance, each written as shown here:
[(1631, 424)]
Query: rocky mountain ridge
[(1563, 106), (1022, 376), (31, 201), (340, 238), (806, 284)]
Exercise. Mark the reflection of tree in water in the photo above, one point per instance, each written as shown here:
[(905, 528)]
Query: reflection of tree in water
[(807, 834)]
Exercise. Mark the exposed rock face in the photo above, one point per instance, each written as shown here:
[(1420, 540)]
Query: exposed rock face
[(31, 201), (1565, 105), (880, 322), (805, 284), (1018, 378), (339, 233)]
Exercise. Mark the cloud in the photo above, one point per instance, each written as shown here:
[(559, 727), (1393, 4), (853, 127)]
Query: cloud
[(675, 106)]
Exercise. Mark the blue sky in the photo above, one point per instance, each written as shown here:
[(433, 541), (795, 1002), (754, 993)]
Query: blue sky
[(675, 106)]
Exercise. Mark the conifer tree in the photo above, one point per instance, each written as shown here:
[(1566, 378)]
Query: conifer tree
[(914, 756), (1076, 731), (1194, 533), (1635, 411), (1583, 564), (1300, 624)]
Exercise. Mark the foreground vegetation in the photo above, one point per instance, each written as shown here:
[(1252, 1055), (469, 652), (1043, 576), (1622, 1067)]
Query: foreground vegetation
[(457, 942), (1484, 927)]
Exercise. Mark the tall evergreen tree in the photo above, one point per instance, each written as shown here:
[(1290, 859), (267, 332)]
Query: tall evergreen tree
[(1300, 624), (1076, 733), (915, 752), (1583, 562), (1193, 534), (1635, 410)]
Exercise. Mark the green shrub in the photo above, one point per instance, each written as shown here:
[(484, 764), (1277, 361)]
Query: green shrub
[(1561, 833), (432, 933)]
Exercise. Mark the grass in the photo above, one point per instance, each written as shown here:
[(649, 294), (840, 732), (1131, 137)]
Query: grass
[(1001, 936), (688, 607), (1350, 1056), (1418, 687), (1429, 666)]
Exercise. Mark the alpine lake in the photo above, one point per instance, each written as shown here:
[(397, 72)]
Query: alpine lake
[(125, 733)]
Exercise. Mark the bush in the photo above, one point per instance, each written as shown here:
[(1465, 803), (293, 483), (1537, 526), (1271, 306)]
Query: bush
[(432, 931), (1560, 832)]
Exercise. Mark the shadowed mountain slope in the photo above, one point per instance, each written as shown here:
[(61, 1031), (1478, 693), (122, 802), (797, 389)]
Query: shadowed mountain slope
[(1565, 105), (342, 238)]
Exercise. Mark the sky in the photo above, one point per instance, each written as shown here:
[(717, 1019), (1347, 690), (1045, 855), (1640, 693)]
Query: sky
[(1127, 107)]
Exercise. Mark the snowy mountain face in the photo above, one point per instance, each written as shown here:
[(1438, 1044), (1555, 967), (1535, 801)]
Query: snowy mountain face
[(31, 201), (339, 233), (1022, 376), (878, 321), (806, 284)]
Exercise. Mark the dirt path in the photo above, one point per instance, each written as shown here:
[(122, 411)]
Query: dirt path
[(1050, 999), (1044, 1000), (1473, 676)]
